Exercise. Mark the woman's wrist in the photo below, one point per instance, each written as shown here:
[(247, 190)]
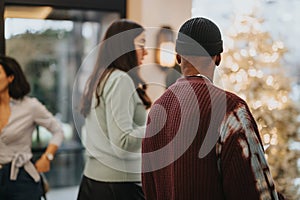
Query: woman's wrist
[(48, 156)]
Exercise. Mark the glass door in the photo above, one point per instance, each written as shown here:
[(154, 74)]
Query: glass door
[(50, 44)]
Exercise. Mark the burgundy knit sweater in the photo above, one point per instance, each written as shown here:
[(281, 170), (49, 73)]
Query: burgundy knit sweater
[(202, 143)]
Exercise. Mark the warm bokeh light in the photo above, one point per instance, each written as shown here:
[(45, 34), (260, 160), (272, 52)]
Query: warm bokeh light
[(253, 68), (167, 54)]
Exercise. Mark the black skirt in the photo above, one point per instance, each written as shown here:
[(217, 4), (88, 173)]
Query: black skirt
[(97, 190)]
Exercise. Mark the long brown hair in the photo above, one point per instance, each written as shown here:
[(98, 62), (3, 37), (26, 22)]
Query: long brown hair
[(117, 51)]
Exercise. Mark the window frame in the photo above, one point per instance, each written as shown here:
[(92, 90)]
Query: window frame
[(118, 6)]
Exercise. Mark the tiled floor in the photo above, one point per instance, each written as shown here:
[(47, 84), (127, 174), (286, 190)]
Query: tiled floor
[(68, 193)]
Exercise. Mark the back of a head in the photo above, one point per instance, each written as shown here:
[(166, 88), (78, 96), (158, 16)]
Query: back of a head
[(199, 37)]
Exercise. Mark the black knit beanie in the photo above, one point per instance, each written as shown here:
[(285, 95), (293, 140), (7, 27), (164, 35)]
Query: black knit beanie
[(199, 37)]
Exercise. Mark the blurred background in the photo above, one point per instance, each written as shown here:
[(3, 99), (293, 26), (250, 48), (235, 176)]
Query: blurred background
[(51, 40)]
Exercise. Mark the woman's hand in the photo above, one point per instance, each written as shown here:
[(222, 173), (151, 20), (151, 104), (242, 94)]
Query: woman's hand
[(43, 164)]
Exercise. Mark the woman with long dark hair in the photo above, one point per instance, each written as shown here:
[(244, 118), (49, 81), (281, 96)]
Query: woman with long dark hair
[(19, 115), (114, 105)]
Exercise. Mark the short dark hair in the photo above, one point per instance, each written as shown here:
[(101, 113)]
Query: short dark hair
[(19, 87)]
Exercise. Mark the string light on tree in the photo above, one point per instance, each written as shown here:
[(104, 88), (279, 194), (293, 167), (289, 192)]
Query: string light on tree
[(253, 68)]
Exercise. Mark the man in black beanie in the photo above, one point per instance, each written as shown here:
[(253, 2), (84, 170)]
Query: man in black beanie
[(202, 143)]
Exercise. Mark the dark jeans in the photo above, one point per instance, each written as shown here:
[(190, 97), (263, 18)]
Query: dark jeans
[(24, 188), (97, 190)]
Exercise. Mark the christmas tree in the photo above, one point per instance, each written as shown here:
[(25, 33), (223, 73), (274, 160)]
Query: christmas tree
[(253, 67)]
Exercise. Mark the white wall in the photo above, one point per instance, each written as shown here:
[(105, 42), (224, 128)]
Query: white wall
[(153, 14)]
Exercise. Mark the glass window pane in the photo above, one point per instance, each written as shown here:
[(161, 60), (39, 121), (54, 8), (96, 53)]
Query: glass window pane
[(50, 44)]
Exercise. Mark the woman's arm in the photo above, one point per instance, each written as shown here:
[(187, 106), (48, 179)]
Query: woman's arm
[(121, 101), (43, 117)]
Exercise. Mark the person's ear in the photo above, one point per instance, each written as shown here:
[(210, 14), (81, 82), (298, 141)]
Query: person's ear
[(11, 78), (218, 59), (178, 58)]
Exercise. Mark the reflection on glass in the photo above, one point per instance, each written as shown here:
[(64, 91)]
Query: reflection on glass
[(51, 51)]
